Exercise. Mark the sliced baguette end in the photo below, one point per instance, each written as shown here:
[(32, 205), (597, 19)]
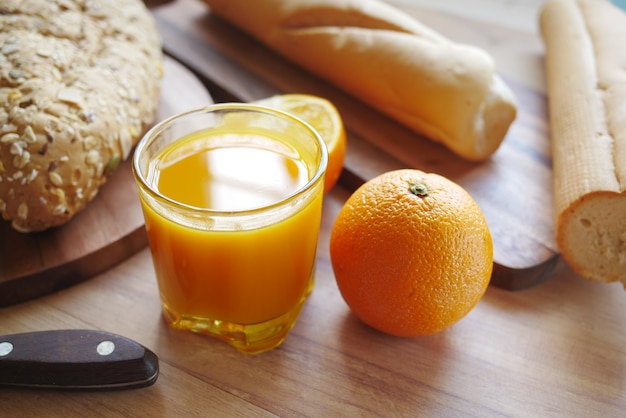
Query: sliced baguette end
[(591, 234)]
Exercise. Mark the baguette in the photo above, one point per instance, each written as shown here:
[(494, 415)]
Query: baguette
[(586, 78), (79, 83), (447, 91)]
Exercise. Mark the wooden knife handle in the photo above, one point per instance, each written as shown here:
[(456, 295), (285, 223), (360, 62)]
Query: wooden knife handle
[(75, 359)]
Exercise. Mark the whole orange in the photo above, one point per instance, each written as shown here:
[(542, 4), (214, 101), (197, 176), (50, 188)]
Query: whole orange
[(411, 252)]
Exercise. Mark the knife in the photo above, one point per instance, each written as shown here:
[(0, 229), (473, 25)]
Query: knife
[(75, 359)]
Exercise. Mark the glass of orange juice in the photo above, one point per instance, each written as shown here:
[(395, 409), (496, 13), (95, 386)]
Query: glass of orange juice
[(232, 200)]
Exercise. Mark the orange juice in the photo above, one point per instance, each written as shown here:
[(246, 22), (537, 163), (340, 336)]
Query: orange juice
[(239, 177), (245, 277), (233, 225)]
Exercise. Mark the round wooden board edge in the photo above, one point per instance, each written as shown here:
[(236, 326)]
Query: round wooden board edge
[(181, 90)]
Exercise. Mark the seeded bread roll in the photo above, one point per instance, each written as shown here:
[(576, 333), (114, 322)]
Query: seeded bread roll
[(586, 78), (79, 84), (444, 90)]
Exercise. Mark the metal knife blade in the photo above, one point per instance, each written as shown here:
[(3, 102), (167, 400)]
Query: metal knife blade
[(75, 359)]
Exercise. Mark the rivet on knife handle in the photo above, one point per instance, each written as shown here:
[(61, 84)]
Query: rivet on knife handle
[(75, 359)]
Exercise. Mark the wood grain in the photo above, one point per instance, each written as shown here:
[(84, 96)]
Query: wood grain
[(555, 350), (514, 188), (108, 231)]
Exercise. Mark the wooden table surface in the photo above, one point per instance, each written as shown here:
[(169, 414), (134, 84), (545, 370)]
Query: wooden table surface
[(556, 349)]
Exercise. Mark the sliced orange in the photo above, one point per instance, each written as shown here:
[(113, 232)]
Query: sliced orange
[(324, 117)]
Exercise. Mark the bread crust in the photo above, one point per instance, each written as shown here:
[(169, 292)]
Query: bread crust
[(444, 90), (79, 84), (586, 75)]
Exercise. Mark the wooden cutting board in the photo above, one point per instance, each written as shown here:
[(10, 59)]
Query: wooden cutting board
[(108, 231), (514, 188)]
